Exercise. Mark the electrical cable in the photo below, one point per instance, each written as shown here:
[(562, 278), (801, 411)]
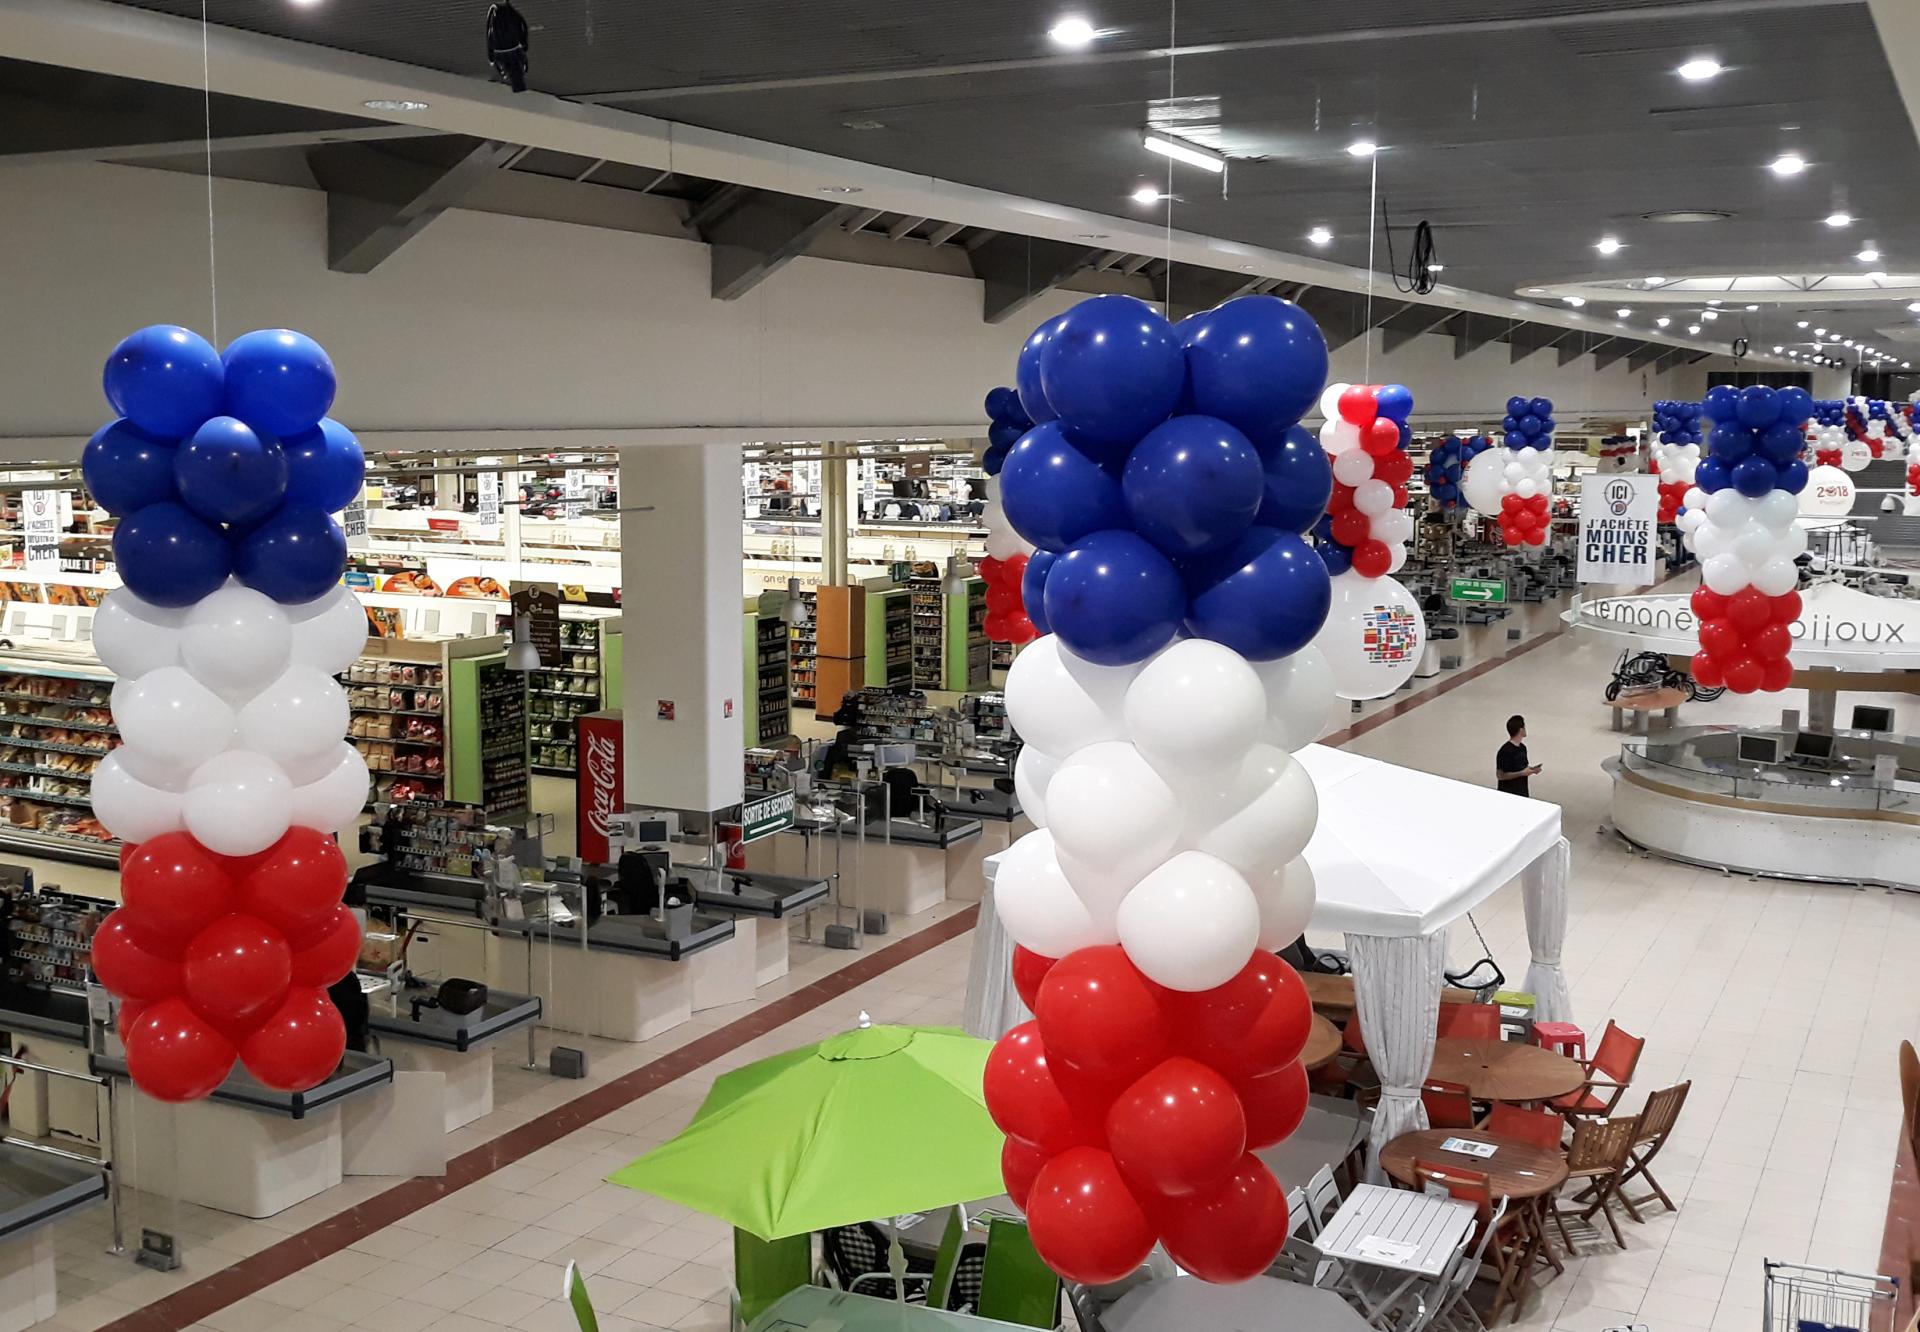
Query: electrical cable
[(1420, 279)]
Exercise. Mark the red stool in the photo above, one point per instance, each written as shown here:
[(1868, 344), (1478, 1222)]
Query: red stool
[(1561, 1037)]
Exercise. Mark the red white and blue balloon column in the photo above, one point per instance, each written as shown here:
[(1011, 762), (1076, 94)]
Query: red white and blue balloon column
[(1675, 453), (1167, 488), (1745, 492), (1447, 462), (224, 472), (1005, 567)]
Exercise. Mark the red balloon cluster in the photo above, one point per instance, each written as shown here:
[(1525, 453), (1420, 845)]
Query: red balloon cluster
[(216, 958), (1913, 478), (1745, 639), (1387, 461), (1672, 495), (1007, 620), (1132, 1113), (1524, 521)]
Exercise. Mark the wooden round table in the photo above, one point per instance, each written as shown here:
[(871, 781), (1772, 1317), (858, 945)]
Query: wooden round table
[(1504, 1070), (1323, 1043), (1518, 1169)]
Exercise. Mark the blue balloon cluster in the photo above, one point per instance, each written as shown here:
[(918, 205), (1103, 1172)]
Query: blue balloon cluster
[(1447, 463), (1008, 421), (223, 464), (1165, 479), (1528, 423), (1829, 411), (1754, 440), (1677, 422)]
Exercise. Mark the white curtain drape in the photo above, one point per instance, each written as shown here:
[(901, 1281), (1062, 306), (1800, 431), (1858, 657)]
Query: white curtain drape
[(1543, 887), (993, 1007), (1396, 991)]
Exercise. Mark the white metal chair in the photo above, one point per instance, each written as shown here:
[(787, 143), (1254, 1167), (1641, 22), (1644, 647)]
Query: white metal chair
[(1298, 1260), (1323, 1198)]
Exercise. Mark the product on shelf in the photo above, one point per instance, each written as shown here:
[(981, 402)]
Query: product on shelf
[(54, 729), (49, 939), (505, 780), (399, 726)]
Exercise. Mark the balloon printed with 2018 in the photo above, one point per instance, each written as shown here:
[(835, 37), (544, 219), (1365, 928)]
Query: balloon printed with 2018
[(223, 471)]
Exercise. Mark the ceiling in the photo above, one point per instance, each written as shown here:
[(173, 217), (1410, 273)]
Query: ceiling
[(1522, 130)]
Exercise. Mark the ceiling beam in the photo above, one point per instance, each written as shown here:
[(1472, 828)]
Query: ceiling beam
[(1645, 355), (942, 234), (758, 232), (1342, 315), (1613, 349), (1411, 322), (1573, 348), (1525, 339), (863, 219), (1186, 289), (1669, 358), (1017, 270), (1473, 331), (904, 227), (377, 201)]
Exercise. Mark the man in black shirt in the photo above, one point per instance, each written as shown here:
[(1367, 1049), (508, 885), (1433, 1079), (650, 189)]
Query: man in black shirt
[(1510, 769)]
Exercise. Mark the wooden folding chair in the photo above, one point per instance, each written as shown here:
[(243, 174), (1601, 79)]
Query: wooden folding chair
[(1608, 1073), (1657, 1119), (1448, 1104), (1596, 1159)]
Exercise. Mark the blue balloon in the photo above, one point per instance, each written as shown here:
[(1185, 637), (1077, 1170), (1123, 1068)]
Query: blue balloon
[(1298, 481), (1395, 402), (165, 379), (1003, 404), (326, 467), (993, 460), (1112, 369), (1113, 599), (125, 468), (1730, 443), (292, 557), (169, 557), (1711, 475), (1781, 442), (1720, 402), (228, 474), (1754, 476), (1004, 434), (1265, 596), (1516, 440), (1518, 406), (1054, 494), (1336, 557), (1541, 407), (278, 381), (1758, 407), (1793, 477), (1529, 425), (1510, 424), (1033, 588), (1192, 485), (1258, 363)]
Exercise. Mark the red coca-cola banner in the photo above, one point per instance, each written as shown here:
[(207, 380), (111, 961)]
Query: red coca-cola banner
[(598, 788)]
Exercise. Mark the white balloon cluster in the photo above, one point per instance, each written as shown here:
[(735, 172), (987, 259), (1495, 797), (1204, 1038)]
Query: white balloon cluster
[(1171, 814), (1745, 542), (231, 719), (1003, 543), (1675, 462), (1485, 482)]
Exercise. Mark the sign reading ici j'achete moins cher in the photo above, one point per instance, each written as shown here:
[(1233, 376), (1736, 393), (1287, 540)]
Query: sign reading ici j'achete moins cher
[(1619, 535)]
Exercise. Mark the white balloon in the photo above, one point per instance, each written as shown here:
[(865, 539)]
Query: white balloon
[(1339, 436), (1032, 771), (1041, 911), (1373, 497), (236, 641), (1199, 704), (1396, 559), (132, 810), (1723, 573), (1695, 498), (1353, 467), (301, 714), (1191, 924), (1393, 525), (1829, 493), (1777, 509), (1729, 508), (1110, 811), (1061, 703), (238, 803), (171, 716), (1855, 455), (1264, 817), (1777, 576), (329, 632), (156, 772), (1484, 483), (1330, 400), (1754, 545), (1372, 637), (1003, 543), (1285, 897), (133, 637), (1526, 487), (333, 800), (1299, 697)]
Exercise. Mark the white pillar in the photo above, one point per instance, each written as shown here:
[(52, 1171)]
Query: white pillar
[(834, 521), (681, 616)]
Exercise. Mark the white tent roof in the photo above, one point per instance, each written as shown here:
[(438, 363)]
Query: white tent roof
[(1399, 852)]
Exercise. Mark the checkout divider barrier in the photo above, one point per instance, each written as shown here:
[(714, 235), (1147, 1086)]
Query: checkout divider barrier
[(104, 1161)]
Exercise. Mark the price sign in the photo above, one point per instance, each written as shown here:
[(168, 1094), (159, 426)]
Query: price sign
[(353, 521), (40, 531), (486, 515)]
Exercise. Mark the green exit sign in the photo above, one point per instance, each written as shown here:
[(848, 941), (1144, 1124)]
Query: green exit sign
[(1478, 589)]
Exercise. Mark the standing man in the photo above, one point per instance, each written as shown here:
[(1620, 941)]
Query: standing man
[(1510, 768)]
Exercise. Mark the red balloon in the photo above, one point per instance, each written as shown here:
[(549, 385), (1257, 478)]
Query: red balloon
[(1099, 1014), (1771, 642), (238, 968), (126, 853), (1016, 567), (1357, 406), (174, 888), (1350, 527), (1020, 628), (1394, 468), (1231, 1232), (1381, 438), (998, 626), (130, 1011), (1274, 1105), (1786, 608), (1719, 638), (1706, 671), (300, 1045), (1749, 608), (1029, 969), (1022, 1095), (1020, 1164), (1341, 499), (1776, 675), (332, 955), (1537, 537), (1372, 559), (1177, 1130), (1400, 495), (1084, 1220), (127, 967), (1744, 674), (1708, 604), (988, 567), (174, 1054), (1257, 1022), (296, 883), (1002, 598), (1511, 535), (1510, 503)]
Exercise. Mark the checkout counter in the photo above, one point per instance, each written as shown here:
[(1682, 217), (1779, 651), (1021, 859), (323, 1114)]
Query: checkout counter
[(36, 1190)]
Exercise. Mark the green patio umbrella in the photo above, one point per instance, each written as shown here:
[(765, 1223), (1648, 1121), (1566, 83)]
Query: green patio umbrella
[(876, 1122)]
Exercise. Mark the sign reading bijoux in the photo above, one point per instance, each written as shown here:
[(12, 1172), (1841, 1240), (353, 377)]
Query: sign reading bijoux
[(1618, 531)]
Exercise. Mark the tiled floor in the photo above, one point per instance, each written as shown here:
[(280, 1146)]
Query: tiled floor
[(1783, 1003)]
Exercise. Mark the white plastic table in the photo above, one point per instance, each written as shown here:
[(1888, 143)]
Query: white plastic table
[(1432, 1226), (1264, 1304)]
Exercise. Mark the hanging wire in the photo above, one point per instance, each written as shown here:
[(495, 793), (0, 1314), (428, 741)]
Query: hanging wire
[(206, 109), (1173, 36), (1373, 211)]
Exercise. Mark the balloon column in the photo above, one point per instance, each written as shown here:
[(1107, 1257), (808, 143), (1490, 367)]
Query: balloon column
[(1516, 485), (1367, 525), (223, 471), (1874, 429), (1005, 567), (1446, 462), (1741, 514), (1675, 453), (1167, 488)]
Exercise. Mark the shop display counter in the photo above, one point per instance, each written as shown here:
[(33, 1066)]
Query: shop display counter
[(432, 1040), (50, 1028), (1002, 823), (908, 864), (36, 1190), (767, 900)]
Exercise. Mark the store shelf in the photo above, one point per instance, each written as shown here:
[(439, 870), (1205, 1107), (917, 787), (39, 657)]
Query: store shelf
[(35, 769), (51, 746)]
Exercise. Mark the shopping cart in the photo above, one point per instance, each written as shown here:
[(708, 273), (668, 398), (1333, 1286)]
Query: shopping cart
[(1815, 1299)]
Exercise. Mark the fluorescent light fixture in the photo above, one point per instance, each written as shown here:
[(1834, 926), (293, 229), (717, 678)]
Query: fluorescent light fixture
[(1362, 148), (1803, 324), (1700, 69), (1662, 321), (1207, 159), (1436, 268), (394, 104), (1147, 194), (1693, 330), (1072, 31), (1709, 314), (1868, 256), (1608, 245), (1623, 312), (1839, 219), (1655, 281), (1753, 307), (1787, 164), (1713, 302), (1320, 236), (1575, 301)]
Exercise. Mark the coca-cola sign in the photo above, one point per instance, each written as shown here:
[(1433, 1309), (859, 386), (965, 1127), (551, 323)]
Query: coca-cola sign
[(598, 794)]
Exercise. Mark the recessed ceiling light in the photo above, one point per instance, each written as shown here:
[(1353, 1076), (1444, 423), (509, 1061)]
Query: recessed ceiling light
[(1793, 353), (863, 124), (1180, 150), (1362, 148), (1778, 350), (1436, 268), (840, 189), (1662, 321), (1868, 256), (1089, 235), (1320, 236), (1753, 307), (1906, 365), (1787, 164), (1623, 312), (1694, 330), (1700, 69), (1575, 301), (394, 104), (1713, 302), (1709, 314), (1803, 323), (1819, 332), (1847, 343), (1685, 215), (1534, 291), (1839, 219), (1072, 31), (1608, 245), (1147, 194), (1655, 281)]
